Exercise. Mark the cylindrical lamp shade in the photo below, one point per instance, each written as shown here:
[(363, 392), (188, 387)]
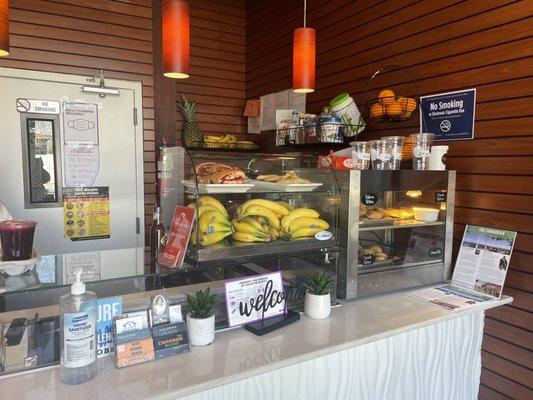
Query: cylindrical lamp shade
[(175, 30), (4, 27), (303, 60)]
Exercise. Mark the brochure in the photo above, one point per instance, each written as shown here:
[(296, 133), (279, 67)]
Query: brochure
[(480, 270)]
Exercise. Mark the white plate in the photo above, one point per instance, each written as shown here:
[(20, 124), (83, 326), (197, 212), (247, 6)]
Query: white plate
[(291, 187), (218, 188)]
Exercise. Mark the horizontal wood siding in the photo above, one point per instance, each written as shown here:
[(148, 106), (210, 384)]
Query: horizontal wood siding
[(81, 37), (447, 45), (217, 80)]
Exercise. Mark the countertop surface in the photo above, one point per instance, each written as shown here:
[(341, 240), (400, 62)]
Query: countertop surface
[(238, 354)]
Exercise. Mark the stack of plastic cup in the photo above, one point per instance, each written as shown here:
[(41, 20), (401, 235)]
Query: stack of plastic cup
[(421, 150), (360, 155), (380, 154), (395, 144)]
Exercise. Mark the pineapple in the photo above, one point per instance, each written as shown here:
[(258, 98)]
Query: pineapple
[(191, 135)]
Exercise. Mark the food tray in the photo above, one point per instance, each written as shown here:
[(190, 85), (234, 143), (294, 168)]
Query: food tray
[(291, 187), (223, 145), (376, 222), (213, 188)]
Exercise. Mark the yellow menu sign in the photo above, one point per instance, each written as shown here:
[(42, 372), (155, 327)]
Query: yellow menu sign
[(86, 212)]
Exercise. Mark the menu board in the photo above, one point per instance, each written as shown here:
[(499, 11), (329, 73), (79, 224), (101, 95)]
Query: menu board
[(86, 213)]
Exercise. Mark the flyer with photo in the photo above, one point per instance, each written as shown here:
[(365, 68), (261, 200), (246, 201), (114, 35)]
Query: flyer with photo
[(480, 270)]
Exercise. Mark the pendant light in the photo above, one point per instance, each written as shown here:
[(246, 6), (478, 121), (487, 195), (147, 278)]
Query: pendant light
[(175, 36), (4, 28), (304, 58)]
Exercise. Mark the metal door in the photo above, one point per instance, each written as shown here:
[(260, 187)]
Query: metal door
[(120, 157)]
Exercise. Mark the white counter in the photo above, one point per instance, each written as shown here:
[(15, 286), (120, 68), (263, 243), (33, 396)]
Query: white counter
[(388, 347)]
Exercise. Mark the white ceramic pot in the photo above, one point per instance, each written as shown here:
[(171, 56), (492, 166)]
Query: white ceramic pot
[(201, 330), (317, 306)]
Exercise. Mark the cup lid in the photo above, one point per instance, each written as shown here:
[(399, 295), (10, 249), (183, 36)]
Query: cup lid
[(17, 225)]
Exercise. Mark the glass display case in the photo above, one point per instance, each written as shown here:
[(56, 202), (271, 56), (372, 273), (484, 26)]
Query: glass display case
[(260, 212), (398, 229)]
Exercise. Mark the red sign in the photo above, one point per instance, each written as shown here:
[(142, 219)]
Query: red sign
[(178, 238)]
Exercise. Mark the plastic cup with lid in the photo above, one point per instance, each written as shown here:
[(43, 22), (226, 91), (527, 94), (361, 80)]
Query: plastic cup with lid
[(421, 150), (395, 144), (360, 155), (17, 239), (380, 154)]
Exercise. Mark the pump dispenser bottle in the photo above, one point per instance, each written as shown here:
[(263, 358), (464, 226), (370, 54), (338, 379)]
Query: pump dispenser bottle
[(78, 333)]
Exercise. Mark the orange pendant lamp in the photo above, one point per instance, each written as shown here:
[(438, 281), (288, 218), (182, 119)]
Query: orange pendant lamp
[(175, 32), (304, 58), (4, 28)]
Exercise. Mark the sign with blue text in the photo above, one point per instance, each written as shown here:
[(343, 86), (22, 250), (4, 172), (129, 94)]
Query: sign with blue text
[(449, 116), (107, 309)]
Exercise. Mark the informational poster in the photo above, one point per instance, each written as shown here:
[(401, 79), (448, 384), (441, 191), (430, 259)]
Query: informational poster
[(449, 116), (483, 259), (81, 162), (105, 338), (255, 298), (268, 112), (86, 212), (38, 106), (80, 123), (88, 262), (178, 238)]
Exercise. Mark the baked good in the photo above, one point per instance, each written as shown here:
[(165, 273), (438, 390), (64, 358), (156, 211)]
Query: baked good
[(286, 179), (218, 173)]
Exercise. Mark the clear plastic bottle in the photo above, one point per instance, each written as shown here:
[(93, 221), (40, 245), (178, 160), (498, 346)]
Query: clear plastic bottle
[(78, 334)]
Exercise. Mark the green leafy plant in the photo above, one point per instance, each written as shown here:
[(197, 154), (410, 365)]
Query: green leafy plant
[(320, 283), (201, 304)]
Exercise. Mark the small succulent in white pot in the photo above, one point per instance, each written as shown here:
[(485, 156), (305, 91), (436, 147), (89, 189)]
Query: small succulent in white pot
[(317, 304), (201, 317)]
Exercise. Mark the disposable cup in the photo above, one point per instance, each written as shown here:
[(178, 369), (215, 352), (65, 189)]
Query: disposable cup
[(17, 239), (380, 155), (360, 155), (421, 150), (395, 145)]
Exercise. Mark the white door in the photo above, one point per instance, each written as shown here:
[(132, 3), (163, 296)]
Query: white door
[(120, 158)]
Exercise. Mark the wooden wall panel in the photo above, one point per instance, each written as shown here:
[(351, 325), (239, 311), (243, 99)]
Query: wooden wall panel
[(80, 38), (447, 45), (217, 80)]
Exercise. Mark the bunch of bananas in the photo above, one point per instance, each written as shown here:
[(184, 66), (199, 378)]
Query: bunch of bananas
[(226, 140), (261, 220), (212, 221)]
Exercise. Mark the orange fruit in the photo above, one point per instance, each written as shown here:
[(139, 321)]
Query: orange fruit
[(407, 103), (394, 109), (386, 97), (377, 111)]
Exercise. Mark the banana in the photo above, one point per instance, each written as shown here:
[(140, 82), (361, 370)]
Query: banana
[(218, 227), (209, 217), (194, 236), (297, 213), (255, 222), (208, 239), (249, 238), (204, 208), (211, 201), (285, 204), (192, 205), (244, 227), (305, 232), (264, 212), (212, 138), (273, 233), (271, 205), (306, 222)]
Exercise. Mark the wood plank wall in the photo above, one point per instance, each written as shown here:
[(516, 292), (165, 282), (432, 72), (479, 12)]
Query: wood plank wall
[(80, 37), (447, 45), (217, 75)]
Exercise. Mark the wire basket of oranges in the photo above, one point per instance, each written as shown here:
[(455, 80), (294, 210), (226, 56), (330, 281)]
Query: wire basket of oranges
[(388, 106)]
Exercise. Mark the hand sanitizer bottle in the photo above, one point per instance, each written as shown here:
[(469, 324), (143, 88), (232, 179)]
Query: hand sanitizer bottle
[(78, 333)]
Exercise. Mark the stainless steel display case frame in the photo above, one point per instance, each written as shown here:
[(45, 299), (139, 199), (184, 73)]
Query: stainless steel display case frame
[(350, 282)]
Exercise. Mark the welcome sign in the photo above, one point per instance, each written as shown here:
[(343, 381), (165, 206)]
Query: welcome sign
[(254, 298)]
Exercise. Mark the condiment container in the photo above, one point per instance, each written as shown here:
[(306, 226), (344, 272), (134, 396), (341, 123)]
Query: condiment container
[(344, 106), (331, 130), (360, 155), (421, 150), (426, 214)]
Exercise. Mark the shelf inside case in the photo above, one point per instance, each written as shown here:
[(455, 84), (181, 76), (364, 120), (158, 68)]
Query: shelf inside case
[(381, 225), (232, 249)]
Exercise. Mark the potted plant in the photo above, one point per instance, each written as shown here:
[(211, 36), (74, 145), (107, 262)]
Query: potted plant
[(317, 303), (201, 317)]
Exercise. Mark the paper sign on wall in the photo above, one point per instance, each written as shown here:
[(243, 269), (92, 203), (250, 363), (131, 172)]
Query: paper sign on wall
[(81, 164), (86, 212), (449, 116), (38, 106), (80, 122), (251, 299)]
